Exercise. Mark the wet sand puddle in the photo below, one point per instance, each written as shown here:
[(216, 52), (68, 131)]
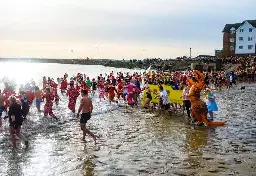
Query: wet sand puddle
[(136, 143)]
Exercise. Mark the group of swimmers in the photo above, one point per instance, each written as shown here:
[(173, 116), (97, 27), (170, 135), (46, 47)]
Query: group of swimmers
[(111, 87)]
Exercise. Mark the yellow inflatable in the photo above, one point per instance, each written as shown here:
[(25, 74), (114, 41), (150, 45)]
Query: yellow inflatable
[(175, 96)]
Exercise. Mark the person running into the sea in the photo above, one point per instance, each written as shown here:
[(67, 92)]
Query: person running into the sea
[(94, 86), (86, 108), (106, 85), (113, 81), (111, 94), (120, 86), (38, 96), (88, 82), (102, 90), (15, 120), (54, 87), (130, 97), (7, 92), (2, 108), (72, 93), (48, 103), (63, 86), (24, 104), (125, 91)]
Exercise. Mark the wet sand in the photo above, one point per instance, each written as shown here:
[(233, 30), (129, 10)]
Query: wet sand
[(135, 143)]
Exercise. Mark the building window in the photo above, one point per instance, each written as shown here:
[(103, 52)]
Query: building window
[(241, 38), (250, 47), (231, 39), (241, 30), (249, 38), (241, 47), (250, 29), (232, 48)]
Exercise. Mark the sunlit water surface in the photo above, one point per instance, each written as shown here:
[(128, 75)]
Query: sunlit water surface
[(131, 142)]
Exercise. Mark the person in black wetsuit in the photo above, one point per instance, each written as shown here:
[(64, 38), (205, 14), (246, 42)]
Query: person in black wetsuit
[(15, 120), (24, 104), (94, 86)]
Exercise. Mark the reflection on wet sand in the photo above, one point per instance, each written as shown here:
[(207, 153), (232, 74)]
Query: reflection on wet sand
[(14, 163), (88, 168), (196, 140)]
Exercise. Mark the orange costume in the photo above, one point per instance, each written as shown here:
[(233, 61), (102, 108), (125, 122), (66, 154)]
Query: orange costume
[(198, 107)]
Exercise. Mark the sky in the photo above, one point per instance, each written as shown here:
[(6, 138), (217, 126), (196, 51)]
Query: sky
[(116, 29)]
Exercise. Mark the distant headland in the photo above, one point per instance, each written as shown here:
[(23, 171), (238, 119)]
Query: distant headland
[(155, 63)]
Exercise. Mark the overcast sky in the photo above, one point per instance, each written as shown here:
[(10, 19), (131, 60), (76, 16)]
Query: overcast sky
[(116, 29)]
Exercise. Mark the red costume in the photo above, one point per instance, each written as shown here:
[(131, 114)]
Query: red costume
[(72, 93), (49, 97), (120, 90), (55, 93), (63, 85)]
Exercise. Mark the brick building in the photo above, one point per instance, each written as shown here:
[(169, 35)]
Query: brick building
[(229, 39), (239, 38)]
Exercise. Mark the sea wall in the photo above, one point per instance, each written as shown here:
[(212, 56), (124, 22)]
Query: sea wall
[(156, 64)]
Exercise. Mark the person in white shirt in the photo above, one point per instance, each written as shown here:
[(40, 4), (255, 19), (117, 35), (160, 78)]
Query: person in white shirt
[(164, 99)]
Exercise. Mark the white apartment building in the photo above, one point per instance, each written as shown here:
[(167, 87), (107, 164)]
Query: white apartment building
[(246, 38)]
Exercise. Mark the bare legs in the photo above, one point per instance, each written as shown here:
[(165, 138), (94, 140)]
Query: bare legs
[(38, 107), (86, 131), (16, 132)]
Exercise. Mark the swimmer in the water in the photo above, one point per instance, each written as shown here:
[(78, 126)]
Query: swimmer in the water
[(86, 108)]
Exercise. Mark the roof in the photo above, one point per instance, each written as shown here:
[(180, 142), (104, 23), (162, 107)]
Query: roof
[(237, 25), (252, 22), (229, 26)]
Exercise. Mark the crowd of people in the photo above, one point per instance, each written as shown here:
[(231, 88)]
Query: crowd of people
[(114, 87)]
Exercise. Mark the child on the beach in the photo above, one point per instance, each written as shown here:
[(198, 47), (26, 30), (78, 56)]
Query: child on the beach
[(210, 102)]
